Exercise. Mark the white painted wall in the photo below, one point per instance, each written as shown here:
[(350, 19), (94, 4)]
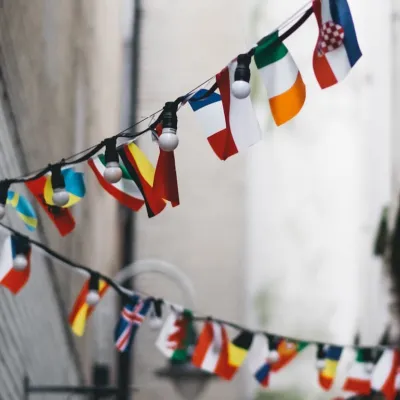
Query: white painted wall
[(316, 189)]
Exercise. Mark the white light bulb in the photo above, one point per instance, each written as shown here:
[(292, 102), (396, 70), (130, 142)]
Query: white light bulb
[(241, 89), (155, 323), (92, 298), (2, 211), (60, 197), (168, 140), (273, 356), (320, 364), (20, 262), (113, 172), (369, 367)]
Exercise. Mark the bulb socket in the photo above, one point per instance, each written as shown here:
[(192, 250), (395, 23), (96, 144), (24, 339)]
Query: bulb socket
[(4, 187), (57, 178), (22, 245), (169, 117), (242, 71), (111, 154)]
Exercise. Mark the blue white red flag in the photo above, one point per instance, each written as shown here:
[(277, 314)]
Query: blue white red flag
[(132, 316), (337, 49)]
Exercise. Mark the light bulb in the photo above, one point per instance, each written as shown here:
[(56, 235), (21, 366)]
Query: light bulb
[(2, 211), (20, 262), (155, 323), (60, 197), (113, 172), (168, 140), (273, 356), (92, 298), (241, 89), (320, 364), (369, 367)]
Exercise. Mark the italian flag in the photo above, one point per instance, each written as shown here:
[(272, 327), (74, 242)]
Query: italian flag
[(282, 79), (125, 191), (358, 379), (384, 375)]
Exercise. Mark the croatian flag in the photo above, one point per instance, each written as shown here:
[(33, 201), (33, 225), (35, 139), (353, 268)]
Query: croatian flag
[(337, 49), (132, 316), (230, 124)]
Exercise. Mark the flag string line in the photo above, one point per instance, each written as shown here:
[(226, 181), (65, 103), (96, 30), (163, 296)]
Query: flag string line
[(126, 295), (86, 154)]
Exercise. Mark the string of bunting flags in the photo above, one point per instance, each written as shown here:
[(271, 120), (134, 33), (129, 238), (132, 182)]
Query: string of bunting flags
[(223, 107), (214, 350)]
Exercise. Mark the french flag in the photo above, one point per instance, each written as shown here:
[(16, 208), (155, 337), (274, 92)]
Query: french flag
[(10, 278), (337, 49), (230, 124)]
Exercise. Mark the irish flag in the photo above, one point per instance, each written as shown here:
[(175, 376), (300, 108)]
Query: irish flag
[(384, 375), (81, 310), (125, 191), (282, 79), (358, 378)]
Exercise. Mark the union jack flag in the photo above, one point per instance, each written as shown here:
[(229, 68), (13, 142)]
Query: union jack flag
[(132, 316)]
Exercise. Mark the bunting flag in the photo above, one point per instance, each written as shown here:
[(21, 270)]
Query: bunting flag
[(384, 374), (358, 379), (287, 351), (261, 367), (177, 336), (142, 173), (24, 209), (125, 191), (237, 352), (211, 351), (337, 49), (165, 178), (82, 311), (61, 217), (74, 185), (132, 316), (281, 77), (230, 124), (328, 373), (10, 278)]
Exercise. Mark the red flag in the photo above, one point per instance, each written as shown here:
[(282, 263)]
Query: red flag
[(61, 217), (165, 179)]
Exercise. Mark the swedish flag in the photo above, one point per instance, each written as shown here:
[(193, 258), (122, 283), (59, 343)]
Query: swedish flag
[(74, 185), (24, 209)]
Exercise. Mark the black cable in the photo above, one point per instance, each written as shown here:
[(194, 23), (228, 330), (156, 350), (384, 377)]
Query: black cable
[(127, 298)]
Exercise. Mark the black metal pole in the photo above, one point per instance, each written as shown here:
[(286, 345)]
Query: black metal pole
[(128, 223)]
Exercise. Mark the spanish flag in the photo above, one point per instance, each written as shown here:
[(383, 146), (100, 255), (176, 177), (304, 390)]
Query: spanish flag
[(328, 373), (142, 173), (81, 310)]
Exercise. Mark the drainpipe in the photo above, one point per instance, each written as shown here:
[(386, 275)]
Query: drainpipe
[(125, 370)]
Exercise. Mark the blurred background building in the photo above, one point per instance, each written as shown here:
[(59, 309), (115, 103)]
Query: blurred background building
[(279, 238)]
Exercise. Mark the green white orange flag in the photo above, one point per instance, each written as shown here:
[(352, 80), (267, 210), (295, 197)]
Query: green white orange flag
[(384, 374), (282, 79)]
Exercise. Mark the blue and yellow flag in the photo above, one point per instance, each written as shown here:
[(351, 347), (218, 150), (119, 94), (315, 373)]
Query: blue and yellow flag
[(74, 185), (328, 373), (24, 209)]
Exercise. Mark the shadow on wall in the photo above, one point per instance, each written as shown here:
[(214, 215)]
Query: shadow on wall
[(288, 395)]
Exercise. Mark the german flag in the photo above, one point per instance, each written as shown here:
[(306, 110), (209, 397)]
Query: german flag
[(142, 173), (82, 311), (61, 217)]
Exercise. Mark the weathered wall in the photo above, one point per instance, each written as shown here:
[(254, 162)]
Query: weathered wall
[(61, 66)]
